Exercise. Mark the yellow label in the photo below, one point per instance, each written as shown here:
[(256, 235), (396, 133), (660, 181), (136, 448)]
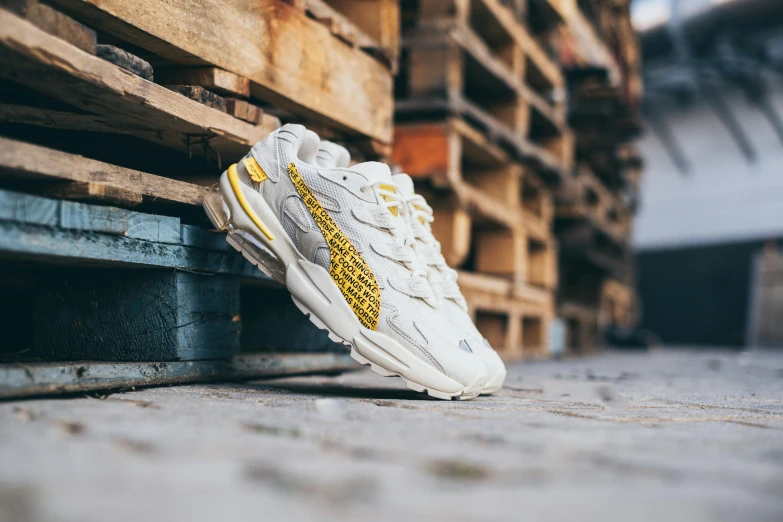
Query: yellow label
[(257, 174), (389, 188), (346, 265)]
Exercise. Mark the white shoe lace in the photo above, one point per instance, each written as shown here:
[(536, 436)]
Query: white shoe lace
[(403, 236), (422, 216)]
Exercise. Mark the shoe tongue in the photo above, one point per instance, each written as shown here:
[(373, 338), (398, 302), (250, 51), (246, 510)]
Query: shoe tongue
[(373, 171), (404, 182)]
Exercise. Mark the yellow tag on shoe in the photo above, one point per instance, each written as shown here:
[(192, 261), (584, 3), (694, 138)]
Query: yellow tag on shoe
[(348, 269), (257, 174)]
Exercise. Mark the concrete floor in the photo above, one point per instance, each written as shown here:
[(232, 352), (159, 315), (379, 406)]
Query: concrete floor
[(661, 436)]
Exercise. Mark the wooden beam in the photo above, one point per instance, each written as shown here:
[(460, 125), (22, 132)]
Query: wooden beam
[(91, 192), (291, 60), (32, 161), (45, 63), (54, 22), (211, 78)]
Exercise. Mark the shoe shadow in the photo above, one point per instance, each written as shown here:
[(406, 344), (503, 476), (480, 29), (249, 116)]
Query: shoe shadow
[(345, 391)]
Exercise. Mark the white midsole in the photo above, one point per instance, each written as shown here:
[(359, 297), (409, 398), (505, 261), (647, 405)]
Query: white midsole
[(314, 289)]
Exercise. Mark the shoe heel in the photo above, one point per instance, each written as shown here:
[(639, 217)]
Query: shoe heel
[(217, 211), (250, 248)]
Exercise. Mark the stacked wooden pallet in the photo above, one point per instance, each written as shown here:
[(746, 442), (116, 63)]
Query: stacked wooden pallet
[(595, 203), (113, 120), (481, 126)]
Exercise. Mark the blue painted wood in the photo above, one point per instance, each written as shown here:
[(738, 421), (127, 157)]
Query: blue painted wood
[(144, 315), (29, 209), (134, 315), (112, 220)]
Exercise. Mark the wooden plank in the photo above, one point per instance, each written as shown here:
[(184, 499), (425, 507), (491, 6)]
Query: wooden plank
[(121, 222), (32, 161), (54, 23), (28, 380), (30, 229), (245, 111), (32, 210), (89, 192), (292, 61), (338, 24), (135, 315), (34, 58), (379, 20), (211, 78)]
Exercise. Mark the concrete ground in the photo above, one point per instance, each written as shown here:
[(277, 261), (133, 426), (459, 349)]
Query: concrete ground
[(661, 436)]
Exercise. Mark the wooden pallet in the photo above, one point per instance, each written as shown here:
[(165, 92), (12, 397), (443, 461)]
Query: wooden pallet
[(618, 306), (491, 214), (102, 97), (515, 322), (473, 59), (583, 196), (289, 59), (581, 324)]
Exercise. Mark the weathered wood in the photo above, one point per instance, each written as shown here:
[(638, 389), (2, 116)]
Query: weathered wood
[(28, 380), (89, 192), (339, 26), (29, 209), (245, 111), (118, 221), (136, 315), (211, 78), (378, 19), (292, 61), (34, 58), (129, 62), (30, 228), (54, 22), (201, 95), (26, 161), (271, 322)]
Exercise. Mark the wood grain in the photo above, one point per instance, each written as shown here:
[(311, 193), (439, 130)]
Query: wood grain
[(291, 61)]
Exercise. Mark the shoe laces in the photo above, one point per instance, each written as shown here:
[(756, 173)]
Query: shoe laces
[(421, 218), (404, 236)]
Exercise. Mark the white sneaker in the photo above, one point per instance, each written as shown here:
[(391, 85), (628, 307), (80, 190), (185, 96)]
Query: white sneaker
[(442, 278), (339, 240)]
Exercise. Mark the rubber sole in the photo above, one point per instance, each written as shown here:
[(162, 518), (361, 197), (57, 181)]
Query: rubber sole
[(382, 354)]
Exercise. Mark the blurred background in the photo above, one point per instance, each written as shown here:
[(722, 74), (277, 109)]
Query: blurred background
[(707, 235)]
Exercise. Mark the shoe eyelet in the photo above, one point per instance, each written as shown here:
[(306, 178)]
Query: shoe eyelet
[(345, 178)]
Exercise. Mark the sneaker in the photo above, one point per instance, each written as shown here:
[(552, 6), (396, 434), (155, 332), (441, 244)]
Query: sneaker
[(339, 240), (442, 278)]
